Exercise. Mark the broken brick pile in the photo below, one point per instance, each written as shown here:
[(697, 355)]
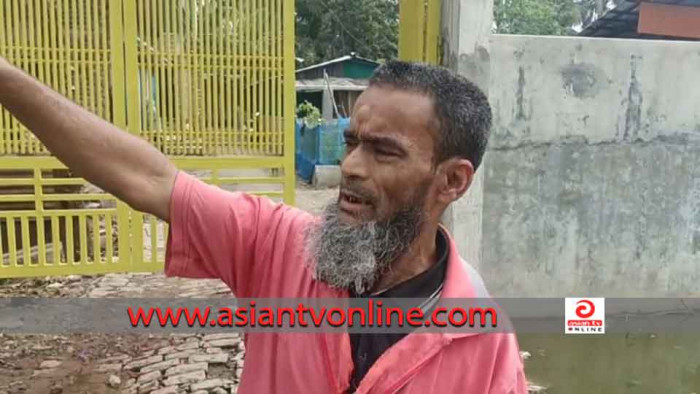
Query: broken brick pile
[(200, 364)]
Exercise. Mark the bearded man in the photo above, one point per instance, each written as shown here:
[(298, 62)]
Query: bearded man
[(416, 137)]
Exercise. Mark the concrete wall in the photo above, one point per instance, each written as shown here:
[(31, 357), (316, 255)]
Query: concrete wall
[(591, 185)]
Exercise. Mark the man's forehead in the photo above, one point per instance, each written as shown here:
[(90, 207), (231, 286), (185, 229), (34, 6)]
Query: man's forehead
[(392, 112)]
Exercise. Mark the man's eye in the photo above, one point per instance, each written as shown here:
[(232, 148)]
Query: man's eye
[(385, 152)]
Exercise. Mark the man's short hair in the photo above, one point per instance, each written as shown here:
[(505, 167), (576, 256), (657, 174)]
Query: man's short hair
[(462, 109)]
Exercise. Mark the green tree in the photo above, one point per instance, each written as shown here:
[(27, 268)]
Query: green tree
[(326, 29), (536, 17)]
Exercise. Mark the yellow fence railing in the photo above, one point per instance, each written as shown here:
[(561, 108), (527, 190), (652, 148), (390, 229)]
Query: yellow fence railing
[(209, 83), (419, 31)]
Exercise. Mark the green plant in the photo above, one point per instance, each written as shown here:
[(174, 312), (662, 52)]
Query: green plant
[(309, 114)]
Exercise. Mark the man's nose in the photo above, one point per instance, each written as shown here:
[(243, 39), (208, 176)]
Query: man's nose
[(354, 165)]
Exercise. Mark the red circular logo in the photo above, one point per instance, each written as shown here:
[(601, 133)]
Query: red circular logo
[(586, 310)]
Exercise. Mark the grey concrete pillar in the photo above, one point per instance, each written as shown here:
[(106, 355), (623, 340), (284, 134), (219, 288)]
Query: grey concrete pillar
[(327, 110), (466, 29)]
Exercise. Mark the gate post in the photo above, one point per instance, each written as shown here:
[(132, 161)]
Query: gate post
[(289, 101)]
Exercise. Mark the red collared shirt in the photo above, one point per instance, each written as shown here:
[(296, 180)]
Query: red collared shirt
[(256, 247)]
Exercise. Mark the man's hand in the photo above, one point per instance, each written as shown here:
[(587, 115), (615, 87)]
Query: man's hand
[(110, 158)]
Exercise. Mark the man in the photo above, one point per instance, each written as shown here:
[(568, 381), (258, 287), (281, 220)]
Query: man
[(416, 137)]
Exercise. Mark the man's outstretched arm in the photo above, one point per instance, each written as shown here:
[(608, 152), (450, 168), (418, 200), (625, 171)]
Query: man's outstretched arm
[(119, 163)]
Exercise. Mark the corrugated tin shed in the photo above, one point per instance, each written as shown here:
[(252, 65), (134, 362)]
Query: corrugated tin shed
[(350, 66), (316, 85)]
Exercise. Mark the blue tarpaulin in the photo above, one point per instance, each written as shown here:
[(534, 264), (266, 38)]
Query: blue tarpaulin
[(321, 145)]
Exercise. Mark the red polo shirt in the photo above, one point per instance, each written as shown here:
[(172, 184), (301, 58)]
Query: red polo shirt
[(256, 247)]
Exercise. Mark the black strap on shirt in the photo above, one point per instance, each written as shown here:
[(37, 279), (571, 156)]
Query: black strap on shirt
[(367, 348)]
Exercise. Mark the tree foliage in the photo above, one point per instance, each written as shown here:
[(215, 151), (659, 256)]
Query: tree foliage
[(536, 17), (326, 29), (547, 17)]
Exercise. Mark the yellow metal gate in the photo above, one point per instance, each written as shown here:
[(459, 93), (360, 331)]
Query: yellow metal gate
[(210, 83), (419, 31)]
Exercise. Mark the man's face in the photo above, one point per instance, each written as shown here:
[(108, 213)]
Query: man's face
[(385, 191), (390, 148)]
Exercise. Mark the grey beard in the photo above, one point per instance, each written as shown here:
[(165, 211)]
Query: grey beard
[(354, 257)]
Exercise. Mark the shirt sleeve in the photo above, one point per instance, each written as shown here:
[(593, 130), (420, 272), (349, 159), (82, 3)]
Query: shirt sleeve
[(215, 233), (509, 374)]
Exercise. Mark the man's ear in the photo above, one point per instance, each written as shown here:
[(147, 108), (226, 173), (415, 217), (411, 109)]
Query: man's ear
[(456, 176)]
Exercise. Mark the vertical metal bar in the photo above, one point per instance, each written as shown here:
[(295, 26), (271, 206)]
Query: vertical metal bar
[(70, 246), (248, 76), (230, 78), (236, 83), (47, 60), (241, 82), (146, 50), (3, 113), (19, 44), (26, 244), (96, 249), (75, 50), (166, 59), (162, 129), (9, 133), (53, 31), (2, 251), (289, 105), (117, 61), (185, 78), (273, 75), (63, 47), (26, 65), (267, 53), (214, 83), (221, 77), (131, 68), (82, 222), (91, 78), (169, 68), (82, 231), (279, 96), (256, 57), (194, 77), (258, 63), (175, 57), (32, 44), (108, 238), (191, 77), (154, 78), (209, 72), (35, 45), (104, 24), (144, 73), (201, 45), (177, 77), (55, 240), (82, 51), (39, 206), (12, 240)]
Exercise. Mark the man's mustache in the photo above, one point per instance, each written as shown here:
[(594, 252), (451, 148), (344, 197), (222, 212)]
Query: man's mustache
[(358, 191)]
